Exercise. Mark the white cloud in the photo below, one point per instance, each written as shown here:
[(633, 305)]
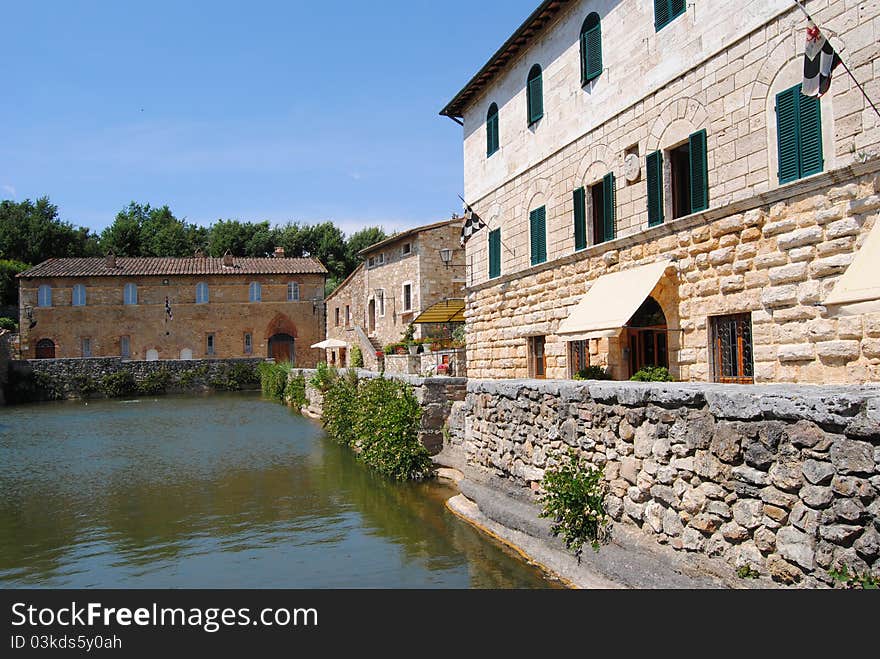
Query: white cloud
[(8, 189)]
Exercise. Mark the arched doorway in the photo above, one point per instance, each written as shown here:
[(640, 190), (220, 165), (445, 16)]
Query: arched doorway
[(45, 349), (152, 355), (648, 343), (186, 354), (281, 348), (371, 316)]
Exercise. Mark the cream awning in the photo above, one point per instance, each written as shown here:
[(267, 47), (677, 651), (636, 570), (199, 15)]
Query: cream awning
[(445, 311), (330, 344), (858, 290), (611, 302)]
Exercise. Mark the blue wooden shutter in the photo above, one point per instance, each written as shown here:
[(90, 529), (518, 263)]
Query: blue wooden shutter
[(580, 219), (609, 210), (699, 172), (494, 253), (810, 130), (787, 138), (593, 49), (654, 167), (538, 235)]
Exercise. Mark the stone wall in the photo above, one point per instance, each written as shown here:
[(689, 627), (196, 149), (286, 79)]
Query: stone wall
[(426, 363), (80, 378), (4, 363), (783, 479)]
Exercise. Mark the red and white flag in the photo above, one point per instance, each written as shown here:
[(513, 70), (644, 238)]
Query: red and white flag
[(820, 60)]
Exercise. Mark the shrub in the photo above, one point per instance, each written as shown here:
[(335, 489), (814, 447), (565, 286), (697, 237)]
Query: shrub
[(273, 379), (234, 377), (341, 409), (592, 373), (458, 336), (155, 382), (8, 324), (652, 374), (409, 334), (357, 357), (323, 378), (853, 580), (574, 498), (84, 385), (295, 392), (118, 384)]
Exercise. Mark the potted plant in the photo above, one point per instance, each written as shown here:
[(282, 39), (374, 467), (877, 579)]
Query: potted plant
[(409, 339), (443, 369)]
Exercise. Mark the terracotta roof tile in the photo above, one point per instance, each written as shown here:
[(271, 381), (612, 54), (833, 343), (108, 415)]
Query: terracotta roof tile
[(144, 266)]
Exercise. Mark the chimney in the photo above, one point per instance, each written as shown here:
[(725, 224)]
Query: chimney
[(110, 260), (227, 260), (279, 253)]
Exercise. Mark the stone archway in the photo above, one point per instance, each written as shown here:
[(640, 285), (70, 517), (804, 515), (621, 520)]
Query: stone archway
[(647, 337), (45, 349)]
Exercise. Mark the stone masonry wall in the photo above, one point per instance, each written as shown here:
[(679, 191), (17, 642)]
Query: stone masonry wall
[(783, 479)]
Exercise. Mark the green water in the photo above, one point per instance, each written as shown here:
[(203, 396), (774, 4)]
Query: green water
[(219, 492)]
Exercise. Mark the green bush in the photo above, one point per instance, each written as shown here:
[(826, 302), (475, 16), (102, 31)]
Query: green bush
[(84, 385), (652, 374), (323, 378), (116, 385), (155, 382), (8, 324), (357, 357), (235, 377), (592, 373), (341, 409), (273, 379), (574, 498), (295, 392)]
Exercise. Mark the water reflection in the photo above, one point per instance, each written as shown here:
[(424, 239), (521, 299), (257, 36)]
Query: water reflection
[(226, 491)]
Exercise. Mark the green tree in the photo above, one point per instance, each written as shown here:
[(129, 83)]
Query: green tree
[(263, 241), (162, 234), (123, 237), (32, 232), (8, 282), (232, 236), (358, 241)]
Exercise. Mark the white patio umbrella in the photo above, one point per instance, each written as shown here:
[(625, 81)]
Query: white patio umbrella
[(330, 344)]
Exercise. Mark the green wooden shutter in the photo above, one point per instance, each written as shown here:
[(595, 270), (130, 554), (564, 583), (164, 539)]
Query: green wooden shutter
[(536, 99), (654, 167), (494, 253), (538, 235), (593, 63), (661, 13), (580, 219), (787, 138), (699, 172), (810, 130), (609, 211), (492, 142), (676, 8)]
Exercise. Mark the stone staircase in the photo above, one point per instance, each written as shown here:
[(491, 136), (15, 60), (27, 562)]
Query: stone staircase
[(370, 346)]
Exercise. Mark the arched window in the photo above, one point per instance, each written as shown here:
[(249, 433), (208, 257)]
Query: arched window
[(293, 291), (256, 292), (79, 296), (131, 294), (492, 142), (201, 293), (44, 296), (591, 49), (535, 90)]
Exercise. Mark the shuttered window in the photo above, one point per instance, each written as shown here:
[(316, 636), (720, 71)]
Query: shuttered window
[(609, 211), (654, 173), (538, 235), (591, 48), (798, 135), (79, 296), (665, 11), (535, 89), (699, 172), (580, 219), (494, 253), (492, 140)]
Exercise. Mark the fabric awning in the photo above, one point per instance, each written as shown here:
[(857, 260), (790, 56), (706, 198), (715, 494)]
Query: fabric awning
[(611, 302), (330, 344), (446, 311), (858, 289)]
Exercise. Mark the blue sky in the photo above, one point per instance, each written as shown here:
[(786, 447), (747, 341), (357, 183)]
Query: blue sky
[(277, 111)]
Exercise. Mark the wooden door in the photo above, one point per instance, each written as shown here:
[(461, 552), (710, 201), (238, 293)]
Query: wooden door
[(280, 351), (45, 349)]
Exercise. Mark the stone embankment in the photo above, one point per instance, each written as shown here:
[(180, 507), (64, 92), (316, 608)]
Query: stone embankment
[(782, 480)]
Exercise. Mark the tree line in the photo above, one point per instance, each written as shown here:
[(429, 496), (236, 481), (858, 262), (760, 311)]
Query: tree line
[(32, 232)]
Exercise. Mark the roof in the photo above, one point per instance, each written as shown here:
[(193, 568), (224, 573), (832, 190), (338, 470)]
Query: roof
[(406, 234), (540, 18), (445, 311), (345, 282), (158, 266)]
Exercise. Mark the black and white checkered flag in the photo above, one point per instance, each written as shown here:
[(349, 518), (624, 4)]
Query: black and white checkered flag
[(820, 60), (472, 224), (168, 314)]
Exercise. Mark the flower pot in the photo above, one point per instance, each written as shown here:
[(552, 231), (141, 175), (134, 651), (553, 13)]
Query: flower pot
[(413, 349), (400, 350)]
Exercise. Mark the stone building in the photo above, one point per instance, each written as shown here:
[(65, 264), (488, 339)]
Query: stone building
[(399, 278), (173, 308), (659, 192)]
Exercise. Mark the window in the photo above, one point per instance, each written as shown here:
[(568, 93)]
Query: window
[(492, 130), (293, 292), (125, 347), (248, 343), (44, 296), (732, 349), (86, 348), (380, 259), (336, 316), (255, 293), (578, 356), (371, 262), (380, 302), (537, 358), (209, 345), (604, 211), (538, 235), (406, 250), (79, 296), (591, 49), (494, 253), (535, 92), (201, 293), (665, 11), (580, 219), (798, 135), (377, 260), (688, 169), (347, 316), (407, 297), (654, 175), (130, 294)]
